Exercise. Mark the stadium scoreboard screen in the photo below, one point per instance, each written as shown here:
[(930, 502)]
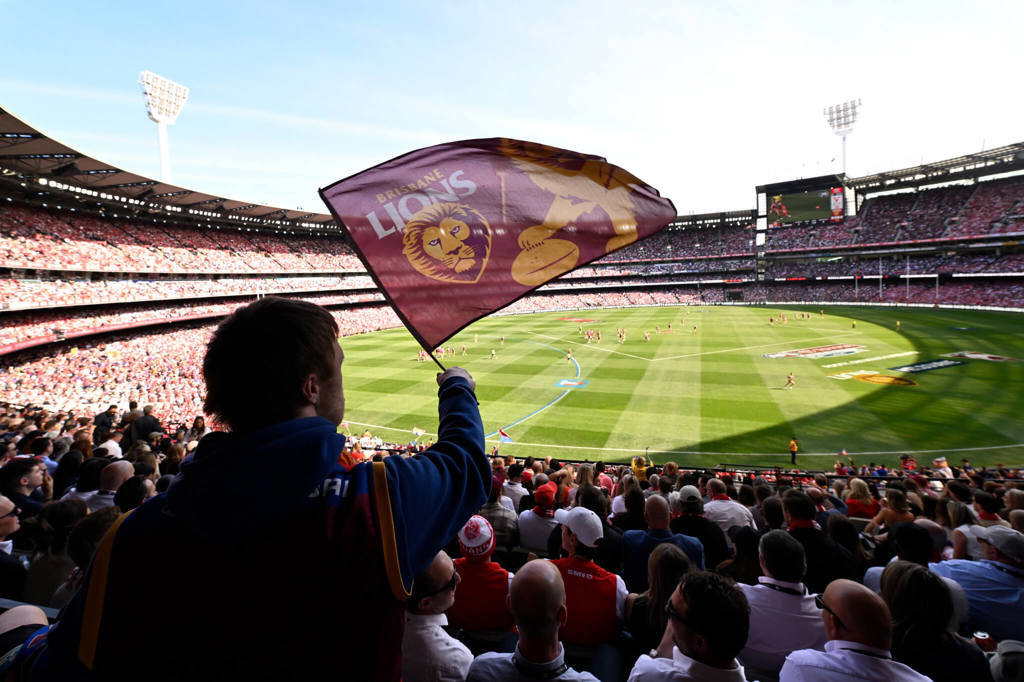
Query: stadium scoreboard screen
[(812, 201), (806, 208)]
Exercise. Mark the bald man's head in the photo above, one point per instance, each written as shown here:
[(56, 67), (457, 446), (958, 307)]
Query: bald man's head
[(716, 487), (860, 615), (114, 474), (537, 599), (657, 513)]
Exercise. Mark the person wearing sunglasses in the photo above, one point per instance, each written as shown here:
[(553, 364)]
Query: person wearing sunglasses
[(12, 571), (859, 629), (708, 620), (428, 652)]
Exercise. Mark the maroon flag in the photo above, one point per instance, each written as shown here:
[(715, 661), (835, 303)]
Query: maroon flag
[(454, 232)]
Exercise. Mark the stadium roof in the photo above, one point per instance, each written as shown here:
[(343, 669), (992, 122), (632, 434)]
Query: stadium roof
[(991, 162), (27, 154)]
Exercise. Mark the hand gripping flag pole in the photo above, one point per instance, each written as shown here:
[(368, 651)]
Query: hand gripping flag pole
[(454, 232)]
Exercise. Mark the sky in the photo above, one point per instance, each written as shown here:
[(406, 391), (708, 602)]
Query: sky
[(702, 100)]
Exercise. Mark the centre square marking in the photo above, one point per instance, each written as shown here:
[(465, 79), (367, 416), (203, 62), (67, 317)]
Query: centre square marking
[(572, 383)]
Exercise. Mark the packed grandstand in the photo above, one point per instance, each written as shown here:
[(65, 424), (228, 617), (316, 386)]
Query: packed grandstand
[(111, 286), (92, 279)]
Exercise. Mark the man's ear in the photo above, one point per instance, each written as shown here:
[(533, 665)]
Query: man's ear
[(563, 615), (311, 389)]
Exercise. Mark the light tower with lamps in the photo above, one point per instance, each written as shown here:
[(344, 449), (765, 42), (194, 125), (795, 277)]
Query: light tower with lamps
[(164, 100), (841, 118)]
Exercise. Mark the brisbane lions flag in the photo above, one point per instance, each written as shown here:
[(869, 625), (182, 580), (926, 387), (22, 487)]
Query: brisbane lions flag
[(454, 232)]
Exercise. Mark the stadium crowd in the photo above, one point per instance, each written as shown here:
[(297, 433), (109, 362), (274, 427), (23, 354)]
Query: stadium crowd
[(1000, 294), (63, 240), (952, 212), (514, 569), (899, 265), (23, 292)]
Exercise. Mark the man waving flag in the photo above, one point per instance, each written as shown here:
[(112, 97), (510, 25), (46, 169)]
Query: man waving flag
[(454, 232)]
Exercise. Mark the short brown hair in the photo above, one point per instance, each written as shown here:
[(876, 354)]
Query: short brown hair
[(258, 357)]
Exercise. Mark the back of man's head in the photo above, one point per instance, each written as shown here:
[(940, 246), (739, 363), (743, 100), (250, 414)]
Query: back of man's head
[(860, 615), (515, 471), (656, 512), (147, 410), (116, 473), (771, 509), (716, 487), (716, 610), (798, 505), (537, 600), (961, 492), (913, 542), (260, 355), (782, 556)]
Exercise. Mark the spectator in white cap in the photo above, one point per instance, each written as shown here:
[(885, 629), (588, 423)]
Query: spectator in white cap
[(994, 585), (483, 584), (595, 598), (690, 521)]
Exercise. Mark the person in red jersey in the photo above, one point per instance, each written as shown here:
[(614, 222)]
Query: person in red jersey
[(595, 598)]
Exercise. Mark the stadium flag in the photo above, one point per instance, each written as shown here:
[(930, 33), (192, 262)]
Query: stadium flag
[(504, 437), (454, 232)]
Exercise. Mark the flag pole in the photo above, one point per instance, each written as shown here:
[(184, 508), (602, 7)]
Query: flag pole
[(434, 358)]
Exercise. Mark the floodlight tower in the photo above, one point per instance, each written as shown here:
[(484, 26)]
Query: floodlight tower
[(841, 118), (164, 100)]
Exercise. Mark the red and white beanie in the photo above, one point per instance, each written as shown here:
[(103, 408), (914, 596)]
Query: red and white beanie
[(476, 539)]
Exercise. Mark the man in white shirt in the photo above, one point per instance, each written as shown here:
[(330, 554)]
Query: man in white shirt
[(859, 629), (708, 618), (725, 511), (113, 445), (783, 616), (428, 652), (514, 485)]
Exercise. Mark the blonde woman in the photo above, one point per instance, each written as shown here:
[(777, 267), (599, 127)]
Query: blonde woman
[(859, 502)]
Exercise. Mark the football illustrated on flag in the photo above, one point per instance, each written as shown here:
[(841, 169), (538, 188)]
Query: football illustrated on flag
[(454, 232)]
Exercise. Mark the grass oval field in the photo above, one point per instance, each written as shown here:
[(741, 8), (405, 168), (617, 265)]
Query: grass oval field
[(711, 395)]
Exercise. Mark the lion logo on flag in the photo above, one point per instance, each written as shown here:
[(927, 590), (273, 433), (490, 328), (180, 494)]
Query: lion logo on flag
[(448, 242)]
